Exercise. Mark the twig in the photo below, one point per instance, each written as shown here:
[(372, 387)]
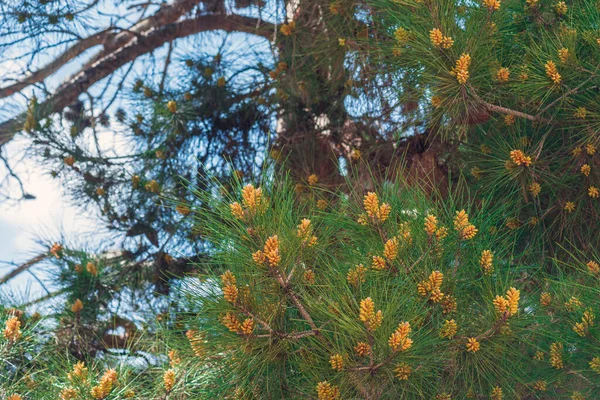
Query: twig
[(283, 335), (49, 69), (570, 92), (504, 110), (44, 298), (167, 62), (285, 286), (23, 267)]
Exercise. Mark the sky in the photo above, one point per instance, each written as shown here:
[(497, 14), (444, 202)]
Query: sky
[(27, 227), (22, 224)]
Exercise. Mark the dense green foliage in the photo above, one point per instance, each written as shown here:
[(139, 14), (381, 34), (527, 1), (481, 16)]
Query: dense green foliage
[(307, 308), (528, 81), (285, 311), (425, 224)]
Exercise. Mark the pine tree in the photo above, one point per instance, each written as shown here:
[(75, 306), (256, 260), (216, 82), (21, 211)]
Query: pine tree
[(512, 84), (425, 224)]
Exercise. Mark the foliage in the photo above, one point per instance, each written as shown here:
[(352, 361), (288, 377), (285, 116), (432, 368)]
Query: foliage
[(383, 296), (433, 235), (301, 316), (504, 77)]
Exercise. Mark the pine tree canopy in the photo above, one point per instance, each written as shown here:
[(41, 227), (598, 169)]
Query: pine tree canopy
[(305, 199)]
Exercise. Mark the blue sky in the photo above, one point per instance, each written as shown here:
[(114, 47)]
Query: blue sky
[(23, 223)]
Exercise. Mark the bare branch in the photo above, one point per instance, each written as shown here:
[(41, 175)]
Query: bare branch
[(165, 15), (13, 175), (69, 91), (23, 267), (55, 64), (111, 41), (44, 298), (167, 62)]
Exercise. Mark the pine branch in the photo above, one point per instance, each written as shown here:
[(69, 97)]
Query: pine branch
[(504, 110), (292, 295), (23, 267)]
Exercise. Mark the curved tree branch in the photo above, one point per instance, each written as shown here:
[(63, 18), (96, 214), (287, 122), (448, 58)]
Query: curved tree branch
[(111, 41), (23, 267), (165, 15), (146, 42), (55, 64)]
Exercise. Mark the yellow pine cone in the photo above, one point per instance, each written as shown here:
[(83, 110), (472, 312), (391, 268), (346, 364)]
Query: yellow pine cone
[(12, 329), (236, 210), (362, 349), (473, 345), (403, 371), (496, 393), (68, 394), (461, 70), (172, 106), (595, 364), (368, 316), (519, 158), (492, 5), (513, 295), (593, 267), (326, 391), (305, 233), (79, 372), (337, 362), (552, 72), (247, 327), (502, 75), (399, 340), (486, 261), (231, 322), (500, 304), (449, 329), (431, 225), (169, 380), (556, 359), (378, 263), (195, 339), (230, 293), (288, 29), (271, 251), (77, 306), (91, 268), (356, 275), (378, 213), (390, 249)]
